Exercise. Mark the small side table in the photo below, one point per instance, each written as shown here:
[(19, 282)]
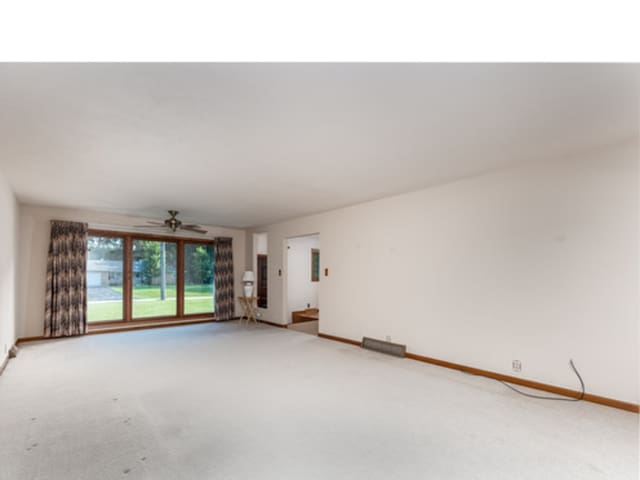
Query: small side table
[(249, 309)]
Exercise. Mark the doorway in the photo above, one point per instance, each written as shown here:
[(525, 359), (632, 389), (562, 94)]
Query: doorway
[(260, 267), (303, 282)]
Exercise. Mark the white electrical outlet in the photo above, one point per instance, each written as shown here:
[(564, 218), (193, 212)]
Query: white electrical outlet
[(516, 365), (388, 337)]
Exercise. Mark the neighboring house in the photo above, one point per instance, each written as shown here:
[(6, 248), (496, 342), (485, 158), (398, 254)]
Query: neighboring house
[(104, 273)]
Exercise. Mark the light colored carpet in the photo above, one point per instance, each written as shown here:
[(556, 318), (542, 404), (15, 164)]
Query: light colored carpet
[(220, 401), (305, 327)]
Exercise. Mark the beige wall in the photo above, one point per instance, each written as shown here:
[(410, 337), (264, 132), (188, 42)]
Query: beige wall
[(34, 243), (8, 253), (538, 264)]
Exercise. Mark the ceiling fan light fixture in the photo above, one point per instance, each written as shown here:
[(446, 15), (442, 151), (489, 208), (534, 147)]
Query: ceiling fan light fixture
[(173, 224)]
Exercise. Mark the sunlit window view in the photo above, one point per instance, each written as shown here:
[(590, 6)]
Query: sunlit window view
[(198, 278), (104, 279), (154, 278)]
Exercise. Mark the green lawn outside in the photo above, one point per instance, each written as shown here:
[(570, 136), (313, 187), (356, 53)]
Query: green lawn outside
[(153, 291), (198, 299), (97, 312)]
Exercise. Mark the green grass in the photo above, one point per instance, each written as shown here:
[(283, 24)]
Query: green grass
[(154, 308), (198, 305), (198, 299), (97, 312), (153, 291)]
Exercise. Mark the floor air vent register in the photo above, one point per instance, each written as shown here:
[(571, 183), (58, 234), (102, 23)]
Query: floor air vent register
[(389, 348)]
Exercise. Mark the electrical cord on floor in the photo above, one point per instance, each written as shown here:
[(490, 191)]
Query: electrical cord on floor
[(542, 397)]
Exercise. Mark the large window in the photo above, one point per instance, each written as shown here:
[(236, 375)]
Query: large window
[(105, 274), (142, 277), (154, 279), (198, 278)]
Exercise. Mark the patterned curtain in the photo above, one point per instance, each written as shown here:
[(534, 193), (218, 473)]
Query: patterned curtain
[(66, 294), (223, 278)]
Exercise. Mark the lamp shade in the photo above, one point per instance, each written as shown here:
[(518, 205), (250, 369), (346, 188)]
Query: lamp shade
[(248, 276)]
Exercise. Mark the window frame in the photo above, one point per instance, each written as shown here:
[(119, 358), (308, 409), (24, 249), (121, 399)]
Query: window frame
[(127, 277)]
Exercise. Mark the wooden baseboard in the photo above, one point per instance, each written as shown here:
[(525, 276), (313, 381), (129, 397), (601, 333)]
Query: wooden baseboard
[(566, 392), (30, 339), (609, 402), (340, 339)]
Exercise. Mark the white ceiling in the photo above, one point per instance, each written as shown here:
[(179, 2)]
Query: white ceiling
[(248, 144)]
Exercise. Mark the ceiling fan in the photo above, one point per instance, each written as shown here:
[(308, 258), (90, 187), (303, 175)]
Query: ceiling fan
[(173, 224)]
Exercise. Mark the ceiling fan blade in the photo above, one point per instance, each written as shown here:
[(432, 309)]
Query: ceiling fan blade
[(149, 226), (192, 228), (153, 222), (191, 225)]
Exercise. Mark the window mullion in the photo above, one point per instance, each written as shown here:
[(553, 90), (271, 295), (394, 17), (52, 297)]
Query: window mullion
[(180, 279), (128, 278)]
